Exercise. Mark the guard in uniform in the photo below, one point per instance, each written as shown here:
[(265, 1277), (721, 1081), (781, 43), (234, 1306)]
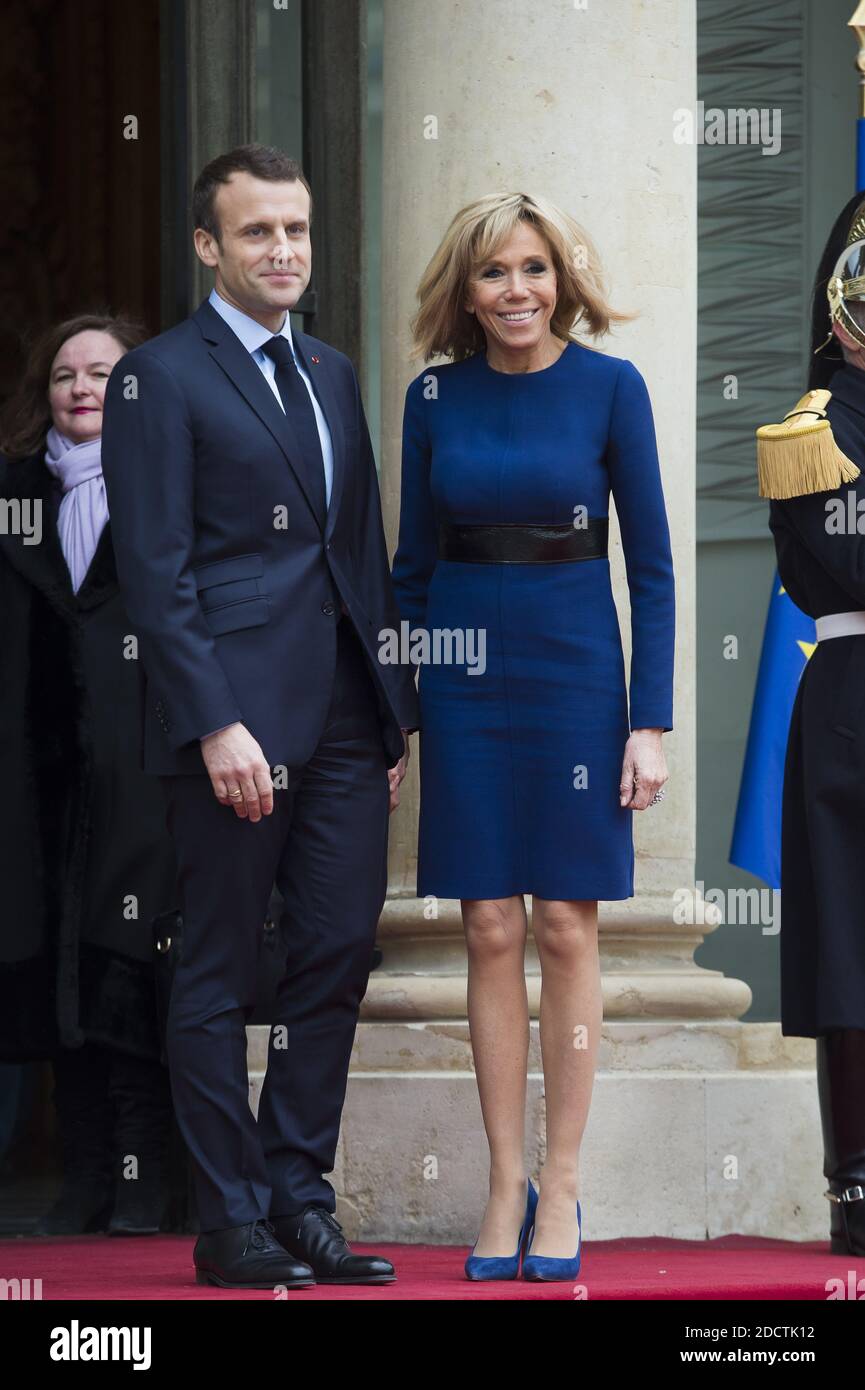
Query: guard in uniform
[(811, 466)]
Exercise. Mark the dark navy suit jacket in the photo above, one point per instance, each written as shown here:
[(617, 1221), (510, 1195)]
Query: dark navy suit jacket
[(231, 584)]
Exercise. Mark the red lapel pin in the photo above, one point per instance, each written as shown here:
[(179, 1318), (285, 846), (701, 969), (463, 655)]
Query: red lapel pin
[(313, 359)]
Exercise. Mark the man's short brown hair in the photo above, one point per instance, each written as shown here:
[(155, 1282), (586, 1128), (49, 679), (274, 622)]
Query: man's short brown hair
[(262, 161)]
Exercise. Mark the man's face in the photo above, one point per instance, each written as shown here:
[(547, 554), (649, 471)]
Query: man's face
[(852, 351), (264, 261)]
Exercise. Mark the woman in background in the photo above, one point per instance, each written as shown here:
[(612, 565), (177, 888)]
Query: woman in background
[(85, 861)]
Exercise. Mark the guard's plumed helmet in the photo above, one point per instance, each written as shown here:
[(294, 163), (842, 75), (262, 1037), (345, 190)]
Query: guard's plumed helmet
[(840, 281)]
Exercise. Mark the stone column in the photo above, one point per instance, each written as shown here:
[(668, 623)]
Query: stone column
[(564, 100)]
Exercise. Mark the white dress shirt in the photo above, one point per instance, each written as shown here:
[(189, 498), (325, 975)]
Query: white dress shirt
[(253, 335)]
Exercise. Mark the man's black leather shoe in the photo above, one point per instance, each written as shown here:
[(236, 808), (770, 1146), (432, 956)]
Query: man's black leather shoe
[(841, 1088), (315, 1235), (248, 1257)]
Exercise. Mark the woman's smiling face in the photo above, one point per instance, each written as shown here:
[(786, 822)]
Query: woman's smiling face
[(513, 293), (76, 384)]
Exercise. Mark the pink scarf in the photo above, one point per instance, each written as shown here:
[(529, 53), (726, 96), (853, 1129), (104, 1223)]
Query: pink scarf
[(83, 506)]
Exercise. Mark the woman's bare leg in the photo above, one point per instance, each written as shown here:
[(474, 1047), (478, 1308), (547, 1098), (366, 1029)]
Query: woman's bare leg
[(498, 1013), (571, 1015)]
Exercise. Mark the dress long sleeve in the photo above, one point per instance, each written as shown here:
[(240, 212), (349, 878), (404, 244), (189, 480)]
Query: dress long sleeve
[(417, 548), (635, 480)]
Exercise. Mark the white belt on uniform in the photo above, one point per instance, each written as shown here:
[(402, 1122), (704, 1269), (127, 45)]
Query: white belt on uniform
[(841, 624)]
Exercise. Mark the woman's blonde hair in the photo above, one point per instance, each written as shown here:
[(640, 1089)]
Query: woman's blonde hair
[(442, 327)]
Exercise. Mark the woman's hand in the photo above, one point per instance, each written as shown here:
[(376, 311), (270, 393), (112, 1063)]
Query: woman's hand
[(644, 769)]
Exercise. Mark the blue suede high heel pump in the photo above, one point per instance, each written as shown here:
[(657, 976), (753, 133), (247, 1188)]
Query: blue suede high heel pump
[(504, 1266), (546, 1267)]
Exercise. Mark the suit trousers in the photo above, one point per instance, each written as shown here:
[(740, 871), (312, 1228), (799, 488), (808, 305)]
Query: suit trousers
[(325, 847)]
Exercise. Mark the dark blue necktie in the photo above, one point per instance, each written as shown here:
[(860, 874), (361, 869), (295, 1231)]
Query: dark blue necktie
[(299, 411)]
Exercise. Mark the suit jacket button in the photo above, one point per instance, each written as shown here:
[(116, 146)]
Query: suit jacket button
[(328, 607)]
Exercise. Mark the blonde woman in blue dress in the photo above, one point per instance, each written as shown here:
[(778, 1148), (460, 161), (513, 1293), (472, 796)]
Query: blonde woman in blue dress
[(531, 768)]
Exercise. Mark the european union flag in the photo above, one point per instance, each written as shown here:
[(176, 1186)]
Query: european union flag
[(789, 640)]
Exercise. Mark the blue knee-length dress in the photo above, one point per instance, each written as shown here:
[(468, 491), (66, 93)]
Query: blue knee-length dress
[(520, 762)]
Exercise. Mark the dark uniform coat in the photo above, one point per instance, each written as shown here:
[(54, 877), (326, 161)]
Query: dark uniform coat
[(85, 859), (822, 568)]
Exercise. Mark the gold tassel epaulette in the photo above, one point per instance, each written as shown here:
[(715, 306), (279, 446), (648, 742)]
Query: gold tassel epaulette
[(800, 455)]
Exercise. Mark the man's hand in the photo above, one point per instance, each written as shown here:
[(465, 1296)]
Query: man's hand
[(396, 774), (236, 764)]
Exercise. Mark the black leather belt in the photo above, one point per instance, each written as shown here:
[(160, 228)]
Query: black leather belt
[(510, 543)]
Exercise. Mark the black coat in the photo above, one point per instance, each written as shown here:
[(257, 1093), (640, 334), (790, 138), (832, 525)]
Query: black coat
[(823, 836), (85, 859)]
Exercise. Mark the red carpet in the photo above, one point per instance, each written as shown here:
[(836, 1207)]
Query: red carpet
[(735, 1267)]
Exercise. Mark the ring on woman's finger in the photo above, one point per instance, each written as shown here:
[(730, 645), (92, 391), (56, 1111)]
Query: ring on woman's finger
[(236, 795)]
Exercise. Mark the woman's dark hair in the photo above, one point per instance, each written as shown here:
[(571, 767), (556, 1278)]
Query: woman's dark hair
[(821, 367), (26, 416), (262, 161)]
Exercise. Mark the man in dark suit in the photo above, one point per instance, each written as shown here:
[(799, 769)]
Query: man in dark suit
[(250, 549)]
